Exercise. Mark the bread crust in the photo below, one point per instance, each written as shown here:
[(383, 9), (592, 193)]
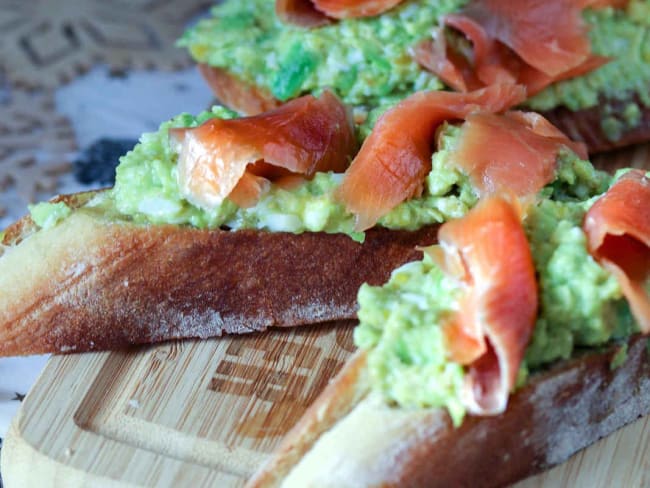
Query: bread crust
[(585, 124), (557, 413), (346, 390), (89, 283), (235, 93), (23, 228), (580, 125)]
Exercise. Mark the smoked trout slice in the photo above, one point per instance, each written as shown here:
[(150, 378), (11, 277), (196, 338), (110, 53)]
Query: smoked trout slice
[(230, 158), (395, 159), (618, 236), (487, 250), (529, 42)]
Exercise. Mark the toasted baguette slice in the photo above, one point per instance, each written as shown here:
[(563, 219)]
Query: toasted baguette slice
[(349, 437), (94, 283), (580, 125)]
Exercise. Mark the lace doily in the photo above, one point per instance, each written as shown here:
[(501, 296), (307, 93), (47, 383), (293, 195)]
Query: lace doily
[(45, 43), (36, 148)]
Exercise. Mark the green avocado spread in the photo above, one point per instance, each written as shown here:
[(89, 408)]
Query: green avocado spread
[(580, 305), (48, 214), (146, 191), (399, 323), (368, 61), (365, 61)]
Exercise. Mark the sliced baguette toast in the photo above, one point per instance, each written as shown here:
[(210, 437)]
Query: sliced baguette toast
[(580, 125), (350, 437), (91, 283)]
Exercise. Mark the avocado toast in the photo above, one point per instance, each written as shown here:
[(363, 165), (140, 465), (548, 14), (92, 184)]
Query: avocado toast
[(508, 348), (154, 251), (141, 263), (254, 60)]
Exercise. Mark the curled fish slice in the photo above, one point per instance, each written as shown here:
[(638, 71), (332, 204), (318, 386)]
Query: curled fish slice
[(529, 42), (513, 153), (300, 137), (550, 36), (395, 159), (499, 305), (618, 236)]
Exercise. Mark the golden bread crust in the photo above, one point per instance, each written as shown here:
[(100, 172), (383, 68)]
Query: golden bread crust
[(24, 227), (557, 413), (235, 93), (89, 283)]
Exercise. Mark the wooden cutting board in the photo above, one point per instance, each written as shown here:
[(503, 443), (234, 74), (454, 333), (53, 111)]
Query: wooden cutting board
[(204, 413), (207, 413)]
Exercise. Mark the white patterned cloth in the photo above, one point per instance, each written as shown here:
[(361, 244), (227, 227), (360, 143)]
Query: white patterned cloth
[(16, 377)]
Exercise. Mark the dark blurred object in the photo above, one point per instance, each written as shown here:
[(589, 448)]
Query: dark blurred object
[(97, 162)]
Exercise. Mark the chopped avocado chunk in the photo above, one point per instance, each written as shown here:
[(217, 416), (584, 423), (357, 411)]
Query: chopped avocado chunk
[(581, 304), (296, 64), (47, 214), (400, 325), (366, 61), (309, 207), (576, 179)]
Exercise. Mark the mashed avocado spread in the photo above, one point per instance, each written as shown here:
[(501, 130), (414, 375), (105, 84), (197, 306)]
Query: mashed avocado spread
[(367, 61), (146, 191), (399, 323), (47, 214), (580, 305)]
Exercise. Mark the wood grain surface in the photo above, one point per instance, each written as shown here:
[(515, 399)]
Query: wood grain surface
[(207, 413), (204, 413)]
